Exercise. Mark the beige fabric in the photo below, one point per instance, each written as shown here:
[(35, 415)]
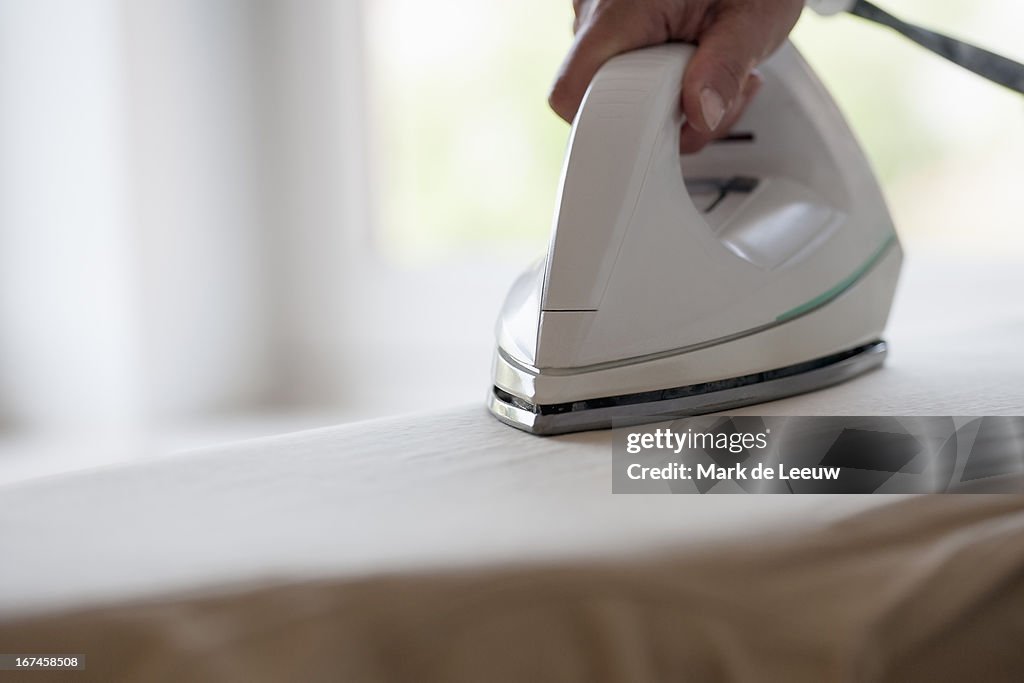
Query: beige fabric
[(924, 589), (928, 589)]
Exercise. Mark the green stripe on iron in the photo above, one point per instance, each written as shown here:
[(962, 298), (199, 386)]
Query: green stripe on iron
[(840, 286)]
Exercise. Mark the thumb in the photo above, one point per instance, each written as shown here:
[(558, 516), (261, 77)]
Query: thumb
[(726, 53)]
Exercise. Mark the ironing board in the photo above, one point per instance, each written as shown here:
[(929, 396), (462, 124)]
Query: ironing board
[(456, 490)]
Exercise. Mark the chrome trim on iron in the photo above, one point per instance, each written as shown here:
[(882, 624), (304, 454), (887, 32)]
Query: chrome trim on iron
[(685, 401)]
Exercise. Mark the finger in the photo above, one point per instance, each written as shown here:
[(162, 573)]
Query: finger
[(693, 140), (726, 52), (609, 32), (750, 89), (715, 75)]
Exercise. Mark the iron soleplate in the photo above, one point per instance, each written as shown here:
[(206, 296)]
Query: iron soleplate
[(696, 399)]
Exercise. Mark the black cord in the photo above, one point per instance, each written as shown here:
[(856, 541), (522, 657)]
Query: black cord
[(995, 68)]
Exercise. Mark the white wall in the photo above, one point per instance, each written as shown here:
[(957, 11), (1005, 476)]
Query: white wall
[(186, 225), (198, 231), (315, 191), (169, 226), (68, 333)]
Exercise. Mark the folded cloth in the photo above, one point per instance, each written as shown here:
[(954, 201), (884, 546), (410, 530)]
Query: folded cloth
[(926, 589)]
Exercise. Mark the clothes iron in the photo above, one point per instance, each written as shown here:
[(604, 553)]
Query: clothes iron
[(762, 267)]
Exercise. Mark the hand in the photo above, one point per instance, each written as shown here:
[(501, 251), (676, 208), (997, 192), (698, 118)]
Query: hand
[(732, 37)]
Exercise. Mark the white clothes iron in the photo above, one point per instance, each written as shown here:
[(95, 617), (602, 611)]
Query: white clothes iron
[(762, 267)]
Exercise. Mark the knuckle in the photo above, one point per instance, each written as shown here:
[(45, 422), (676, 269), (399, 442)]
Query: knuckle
[(558, 96)]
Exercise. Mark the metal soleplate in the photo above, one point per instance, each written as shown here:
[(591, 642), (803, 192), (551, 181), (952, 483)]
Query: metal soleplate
[(685, 401)]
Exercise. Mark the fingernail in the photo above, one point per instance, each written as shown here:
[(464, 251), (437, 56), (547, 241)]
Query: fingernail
[(712, 107)]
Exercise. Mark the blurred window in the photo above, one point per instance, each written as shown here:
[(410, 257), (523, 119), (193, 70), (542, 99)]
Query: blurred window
[(465, 153)]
